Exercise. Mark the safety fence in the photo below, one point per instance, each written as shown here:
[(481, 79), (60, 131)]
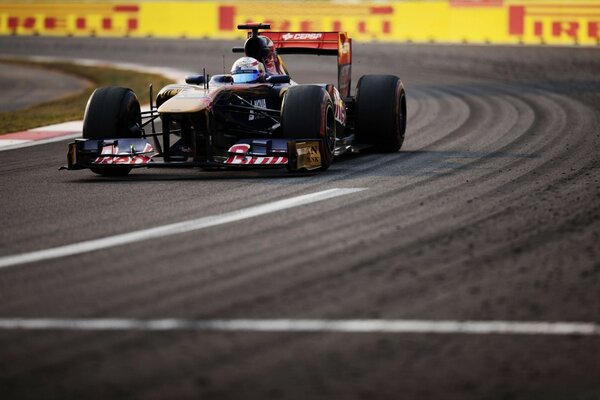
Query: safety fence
[(553, 22)]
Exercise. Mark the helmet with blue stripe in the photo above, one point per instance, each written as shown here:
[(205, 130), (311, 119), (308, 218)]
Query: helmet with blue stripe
[(248, 70)]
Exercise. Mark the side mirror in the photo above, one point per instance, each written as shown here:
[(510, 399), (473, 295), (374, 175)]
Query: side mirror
[(278, 79), (194, 79), (221, 79)]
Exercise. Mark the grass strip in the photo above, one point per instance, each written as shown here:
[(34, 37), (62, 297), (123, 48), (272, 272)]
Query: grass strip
[(72, 107)]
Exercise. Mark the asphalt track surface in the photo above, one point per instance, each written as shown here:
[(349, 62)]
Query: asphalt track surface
[(491, 211), (24, 87)]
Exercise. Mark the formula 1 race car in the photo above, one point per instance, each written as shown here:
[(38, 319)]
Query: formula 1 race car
[(257, 116)]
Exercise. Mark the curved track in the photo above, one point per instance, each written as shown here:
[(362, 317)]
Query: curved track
[(25, 86), (491, 211)]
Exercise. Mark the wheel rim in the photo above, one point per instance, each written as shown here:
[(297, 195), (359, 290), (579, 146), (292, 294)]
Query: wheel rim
[(401, 117), (330, 130), (133, 121)]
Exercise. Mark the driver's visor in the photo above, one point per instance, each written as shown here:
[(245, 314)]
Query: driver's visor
[(246, 77)]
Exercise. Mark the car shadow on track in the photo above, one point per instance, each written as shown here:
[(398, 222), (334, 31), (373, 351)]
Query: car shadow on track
[(429, 162), (146, 175), (417, 163)]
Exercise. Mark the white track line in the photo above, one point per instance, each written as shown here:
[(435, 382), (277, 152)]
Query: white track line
[(172, 229), (174, 74), (10, 143), (302, 325), (6, 145)]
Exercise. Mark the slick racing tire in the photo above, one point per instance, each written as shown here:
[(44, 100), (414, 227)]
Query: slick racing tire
[(381, 112), (307, 113), (112, 113)]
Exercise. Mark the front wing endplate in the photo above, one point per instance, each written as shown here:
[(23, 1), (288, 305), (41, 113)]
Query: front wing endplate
[(307, 155)]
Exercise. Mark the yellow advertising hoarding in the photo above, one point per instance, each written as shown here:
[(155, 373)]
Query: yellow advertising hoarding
[(456, 21)]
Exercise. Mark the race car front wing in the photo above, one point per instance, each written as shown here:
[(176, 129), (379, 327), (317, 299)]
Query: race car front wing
[(295, 155)]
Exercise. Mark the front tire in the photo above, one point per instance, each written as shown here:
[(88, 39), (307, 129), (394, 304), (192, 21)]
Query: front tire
[(381, 112), (112, 113), (307, 113)]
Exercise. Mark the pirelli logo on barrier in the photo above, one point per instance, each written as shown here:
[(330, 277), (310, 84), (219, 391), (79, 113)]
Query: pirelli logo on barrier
[(371, 20), (555, 23), (536, 21), (564, 22), (476, 21), (69, 19)]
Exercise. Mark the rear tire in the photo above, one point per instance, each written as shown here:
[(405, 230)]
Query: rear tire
[(381, 112), (112, 113), (307, 113)]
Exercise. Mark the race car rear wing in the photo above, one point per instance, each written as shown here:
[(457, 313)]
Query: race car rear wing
[(318, 43)]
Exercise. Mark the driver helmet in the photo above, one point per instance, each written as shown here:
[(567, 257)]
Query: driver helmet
[(270, 56), (247, 70)]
